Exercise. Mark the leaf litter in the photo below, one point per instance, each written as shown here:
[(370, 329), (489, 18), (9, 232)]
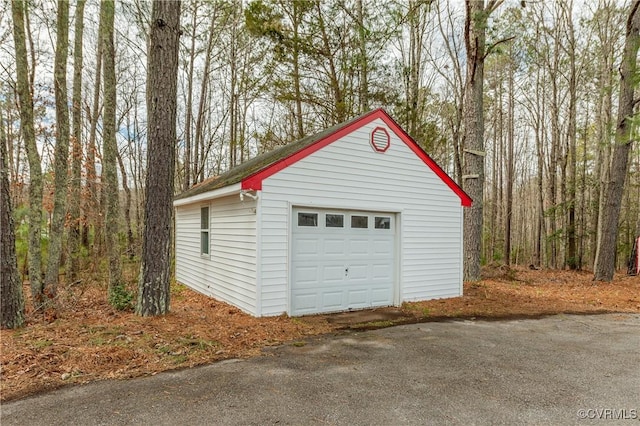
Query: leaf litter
[(87, 340)]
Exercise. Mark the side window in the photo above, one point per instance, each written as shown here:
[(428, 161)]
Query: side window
[(334, 220), (359, 221), (204, 231), (383, 222), (307, 219)]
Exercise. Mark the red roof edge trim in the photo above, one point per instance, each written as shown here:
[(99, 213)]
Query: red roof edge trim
[(413, 145), (254, 182)]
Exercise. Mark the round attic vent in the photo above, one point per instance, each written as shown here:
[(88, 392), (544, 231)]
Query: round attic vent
[(380, 139)]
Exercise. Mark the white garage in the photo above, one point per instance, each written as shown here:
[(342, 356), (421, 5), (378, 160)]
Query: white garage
[(341, 260), (355, 217)]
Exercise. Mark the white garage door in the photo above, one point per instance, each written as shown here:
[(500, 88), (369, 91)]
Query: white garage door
[(341, 260)]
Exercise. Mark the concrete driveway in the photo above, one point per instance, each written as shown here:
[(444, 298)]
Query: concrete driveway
[(556, 370)]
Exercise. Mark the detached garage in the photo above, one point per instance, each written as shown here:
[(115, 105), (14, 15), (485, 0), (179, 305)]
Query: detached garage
[(357, 216)]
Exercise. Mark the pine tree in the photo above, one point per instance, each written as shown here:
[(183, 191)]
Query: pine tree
[(11, 299), (162, 75), (25, 99), (606, 251), (61, 160), (110, 147)]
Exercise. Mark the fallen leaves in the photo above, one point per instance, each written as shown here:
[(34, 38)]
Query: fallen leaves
[(88, 340)]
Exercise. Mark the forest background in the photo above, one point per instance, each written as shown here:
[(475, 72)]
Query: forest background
[(256, 75)]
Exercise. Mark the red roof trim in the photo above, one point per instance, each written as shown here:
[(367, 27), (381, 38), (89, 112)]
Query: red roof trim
[(254, 182), (413, 145)]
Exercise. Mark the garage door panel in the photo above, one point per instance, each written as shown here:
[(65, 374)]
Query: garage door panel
[(333, 274), (339, 268), (359, 247), (357, 298), (383, 246), (307, 246), (334, 247), (358, 272), (332, 300), (380, 296), (305, 302), (306, 273), (382, 272)]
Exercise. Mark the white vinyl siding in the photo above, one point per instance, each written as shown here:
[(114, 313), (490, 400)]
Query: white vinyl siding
[(229, 272), (348, 174)]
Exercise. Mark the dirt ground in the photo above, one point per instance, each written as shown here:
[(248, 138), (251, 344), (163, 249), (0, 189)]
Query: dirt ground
[(87, 340)]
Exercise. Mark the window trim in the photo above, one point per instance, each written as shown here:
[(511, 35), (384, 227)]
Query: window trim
[(316, 216), (384, 219), (358, 215), (326, 223), (205, 231)]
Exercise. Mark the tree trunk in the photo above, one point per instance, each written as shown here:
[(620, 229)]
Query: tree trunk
[(11, 299), (339, 106), (414, 104), (604, 128), (189, 106), (297, 14), (61, 161), (605, 260), (127, 207), (363, 95), (233, 105), (25, 99), (510, 164), (110, 147), (76, 164), (91, 216), (200, 159), (540, 222), (571, 258), (473, 176), (162, 75), (553, 163), (495, 189)]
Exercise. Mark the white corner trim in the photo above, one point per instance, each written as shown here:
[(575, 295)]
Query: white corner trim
[(210, 195), (258, 307)]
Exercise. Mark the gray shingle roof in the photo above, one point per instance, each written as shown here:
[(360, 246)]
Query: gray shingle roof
[(262, 161)]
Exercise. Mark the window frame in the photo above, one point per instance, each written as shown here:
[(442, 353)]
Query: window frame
[(358, 215), (331, 226), (385, 220), (205, 231), (316, 218)]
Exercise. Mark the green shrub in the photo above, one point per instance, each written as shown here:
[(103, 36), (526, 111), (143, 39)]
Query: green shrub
[(120, 298)]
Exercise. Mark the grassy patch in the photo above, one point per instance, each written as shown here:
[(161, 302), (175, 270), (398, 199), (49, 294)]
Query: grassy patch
[(375, 324), (416, 308), (41, 344), (99, 341), (198, 343), (177, 290), (180, 359)]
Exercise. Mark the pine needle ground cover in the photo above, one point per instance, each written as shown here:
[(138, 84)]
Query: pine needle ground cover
[(88, 340)]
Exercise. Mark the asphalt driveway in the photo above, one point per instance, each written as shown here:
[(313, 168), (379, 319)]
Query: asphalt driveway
[(557, 370)]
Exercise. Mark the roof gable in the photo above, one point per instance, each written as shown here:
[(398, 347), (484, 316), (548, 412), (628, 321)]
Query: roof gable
[(251, 173)]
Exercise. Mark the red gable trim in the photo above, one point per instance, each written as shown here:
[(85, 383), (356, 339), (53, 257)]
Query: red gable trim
[(254, 182), (408, 140)]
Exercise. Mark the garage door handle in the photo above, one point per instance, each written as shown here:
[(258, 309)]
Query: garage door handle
[(346, 271)]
